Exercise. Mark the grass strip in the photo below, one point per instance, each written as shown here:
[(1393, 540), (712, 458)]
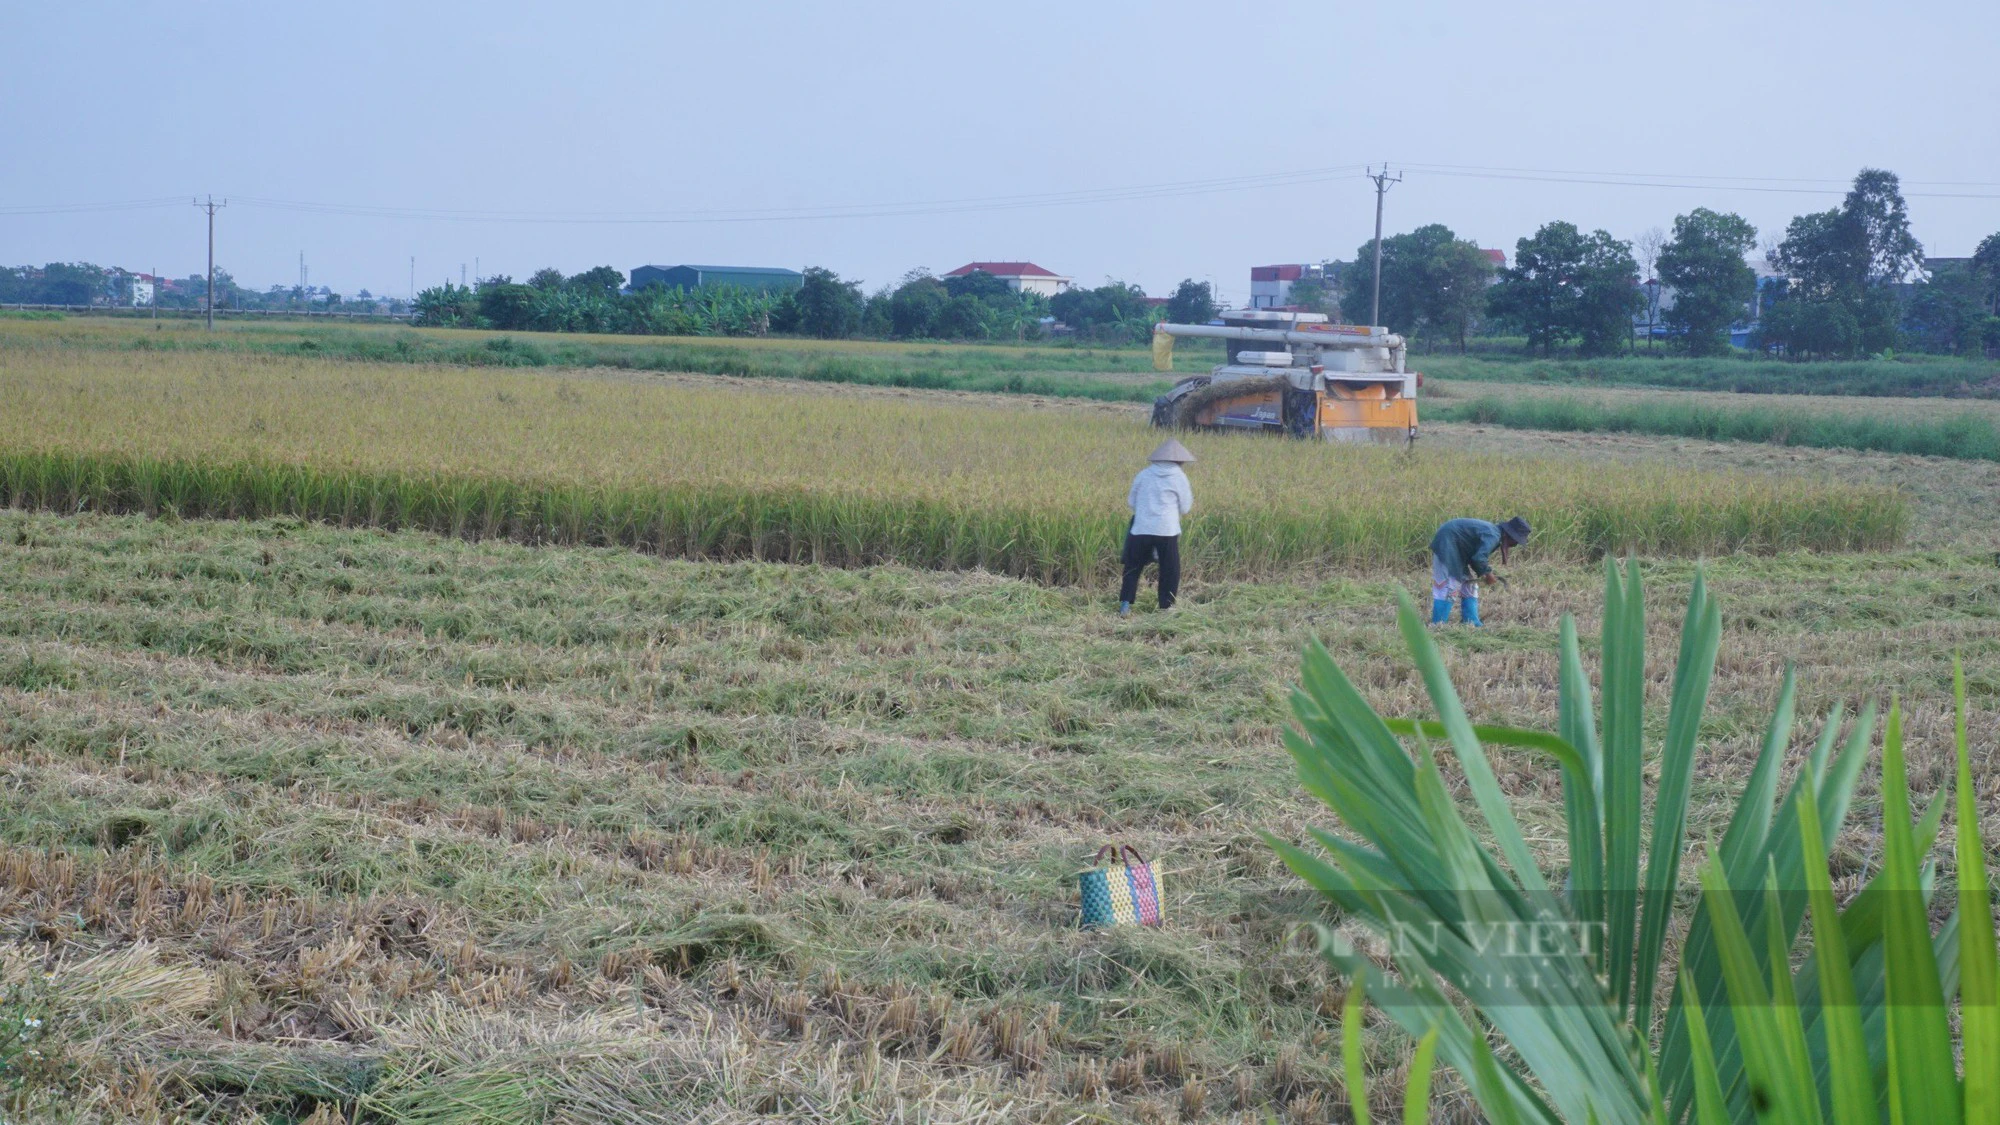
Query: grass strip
[(1905, 377), (1965, 436)]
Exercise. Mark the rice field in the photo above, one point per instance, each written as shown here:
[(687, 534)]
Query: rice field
[(1964, 429), (813, 473), (1066, 371)]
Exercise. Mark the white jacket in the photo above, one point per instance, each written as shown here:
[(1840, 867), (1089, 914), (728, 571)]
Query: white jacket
[(1160, 497)]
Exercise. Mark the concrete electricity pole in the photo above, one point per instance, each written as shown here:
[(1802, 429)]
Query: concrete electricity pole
[(210, 207), (1382, 181)]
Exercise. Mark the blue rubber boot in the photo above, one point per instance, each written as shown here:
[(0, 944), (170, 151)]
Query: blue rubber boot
[(1440, 610), (1468, 610)]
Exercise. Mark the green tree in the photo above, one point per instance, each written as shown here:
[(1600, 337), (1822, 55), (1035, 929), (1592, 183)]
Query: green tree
[(1855, 255), (1021, 316), (548, 277), (1405, 266), (1713, 285), (504, 304), (1193, 302), (979, 285), (1875, 206), (1313, 295), (1986, 271), (964, 317), (78, 283), (1565, 285), (875, 318), (915, 306), (1433, 283), (1822, 257), (446, 306), (1948, 313), (600, 279), (1112, 312), (1805, 329), (828, 307), (1458, 274)]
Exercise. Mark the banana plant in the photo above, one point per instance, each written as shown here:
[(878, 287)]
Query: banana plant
[(1477, 945)]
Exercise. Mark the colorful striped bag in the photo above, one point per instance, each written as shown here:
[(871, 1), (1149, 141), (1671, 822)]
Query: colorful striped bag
[(1120, 894)]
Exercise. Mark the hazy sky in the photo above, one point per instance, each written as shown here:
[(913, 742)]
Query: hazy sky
[(671, 110)]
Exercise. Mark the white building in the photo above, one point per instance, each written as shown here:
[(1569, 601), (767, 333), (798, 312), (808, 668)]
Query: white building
[(1271, 286), (1021, 277), (142, 291)]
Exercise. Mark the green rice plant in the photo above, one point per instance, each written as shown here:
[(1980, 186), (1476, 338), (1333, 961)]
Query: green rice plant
[(1564, 968), (1967, 436)]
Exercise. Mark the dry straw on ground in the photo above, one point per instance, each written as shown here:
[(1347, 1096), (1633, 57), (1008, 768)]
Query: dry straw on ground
[(392, 823)]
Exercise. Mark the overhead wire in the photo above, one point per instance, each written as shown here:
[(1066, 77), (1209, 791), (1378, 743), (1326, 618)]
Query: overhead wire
[(75, 208), (1025, 201), (833, 211)]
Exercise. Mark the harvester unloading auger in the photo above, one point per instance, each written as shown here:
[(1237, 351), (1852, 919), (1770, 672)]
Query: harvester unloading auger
[(1292, 373)]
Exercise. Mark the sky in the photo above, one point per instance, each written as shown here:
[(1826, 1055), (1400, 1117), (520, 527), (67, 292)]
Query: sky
[(1145, 142)]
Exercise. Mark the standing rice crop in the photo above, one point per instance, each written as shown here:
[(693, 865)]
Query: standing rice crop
[(814, 474)]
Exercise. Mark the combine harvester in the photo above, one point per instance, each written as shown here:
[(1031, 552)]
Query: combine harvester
[(1292, 373)]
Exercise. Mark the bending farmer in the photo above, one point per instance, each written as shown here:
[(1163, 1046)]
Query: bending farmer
[(1458, 563), (1160, 496)]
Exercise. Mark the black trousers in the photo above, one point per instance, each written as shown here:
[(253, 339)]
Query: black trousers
[(1142, 549)]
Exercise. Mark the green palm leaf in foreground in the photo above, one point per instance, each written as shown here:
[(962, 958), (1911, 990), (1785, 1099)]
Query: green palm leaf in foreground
[(1543, 999)]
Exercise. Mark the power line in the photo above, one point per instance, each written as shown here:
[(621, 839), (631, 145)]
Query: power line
[(838, 211), (1843, 183), (1685, 183), (1036, 200), (74, 208)]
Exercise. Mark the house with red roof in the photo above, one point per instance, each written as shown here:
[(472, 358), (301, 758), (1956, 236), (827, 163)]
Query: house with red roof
[(1021, 277)]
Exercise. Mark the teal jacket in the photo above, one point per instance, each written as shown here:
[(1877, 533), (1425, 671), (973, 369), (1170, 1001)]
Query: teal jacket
[(1462, 545)]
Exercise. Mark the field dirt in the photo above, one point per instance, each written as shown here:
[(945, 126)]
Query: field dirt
[(296, 816)]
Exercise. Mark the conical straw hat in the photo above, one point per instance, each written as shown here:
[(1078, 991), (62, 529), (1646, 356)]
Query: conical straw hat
[(1171, 450)]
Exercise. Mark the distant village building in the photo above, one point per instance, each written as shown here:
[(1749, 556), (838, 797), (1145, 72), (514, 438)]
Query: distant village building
[(709, 277), (142, 290), (1021, 277), (1271, 286)]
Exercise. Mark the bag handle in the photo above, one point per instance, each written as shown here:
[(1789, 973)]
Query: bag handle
[(1117, 852)]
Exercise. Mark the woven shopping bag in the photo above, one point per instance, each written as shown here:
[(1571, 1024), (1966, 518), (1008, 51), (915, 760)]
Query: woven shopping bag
[(1119, 893)]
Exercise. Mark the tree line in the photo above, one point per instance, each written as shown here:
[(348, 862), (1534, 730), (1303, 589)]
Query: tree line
[(1848, 281), (84, 283), (970, 307)]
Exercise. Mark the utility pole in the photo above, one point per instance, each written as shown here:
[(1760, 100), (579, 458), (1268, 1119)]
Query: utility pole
[(1382, 181), (461, 275), (155, 302), (413, 278), (210, 207)]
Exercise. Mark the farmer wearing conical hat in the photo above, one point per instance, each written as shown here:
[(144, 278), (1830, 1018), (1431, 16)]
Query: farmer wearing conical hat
[(1458, 563), (1160, 496)]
